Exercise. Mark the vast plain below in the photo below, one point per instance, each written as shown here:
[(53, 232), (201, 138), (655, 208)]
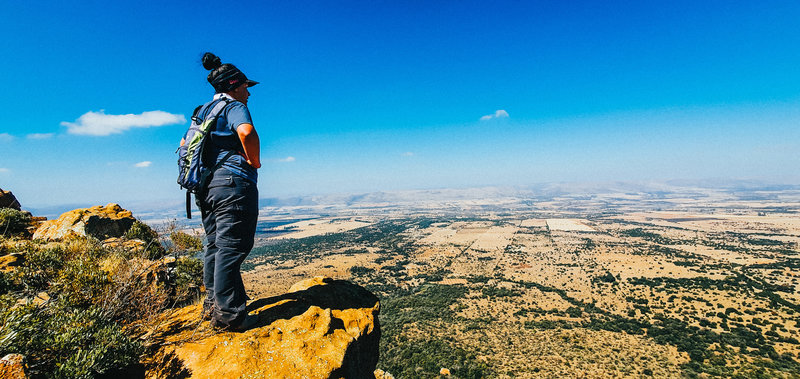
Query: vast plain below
[(591, 281)]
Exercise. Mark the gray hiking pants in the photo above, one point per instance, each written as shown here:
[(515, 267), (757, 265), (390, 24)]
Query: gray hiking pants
[(230, 211)]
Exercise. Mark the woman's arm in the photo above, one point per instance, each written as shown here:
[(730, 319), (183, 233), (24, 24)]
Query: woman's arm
[(252, 146)]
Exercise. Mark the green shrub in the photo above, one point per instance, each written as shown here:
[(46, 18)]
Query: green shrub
[(141, 231), (188, 271), (424, 358), (574, 312), (188, 278), (478, 279), (6, 283), (61, 341), (14, 222), (185, 242), (98, 299), (361, 270), (606, 278), (154, 250), (40, 269), (81, 282), (426, 306)]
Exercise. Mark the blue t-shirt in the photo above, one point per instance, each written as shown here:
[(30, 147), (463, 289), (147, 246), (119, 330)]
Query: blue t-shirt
[(225, 139)]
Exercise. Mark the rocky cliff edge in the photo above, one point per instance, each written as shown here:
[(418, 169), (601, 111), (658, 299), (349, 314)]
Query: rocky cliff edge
[(321, 328)]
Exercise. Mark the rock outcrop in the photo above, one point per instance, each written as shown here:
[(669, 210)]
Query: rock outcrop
[(101, 222), (8, 200), (12, 366), (322, 328), (9, 262)]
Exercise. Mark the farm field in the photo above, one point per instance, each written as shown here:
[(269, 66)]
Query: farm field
[(589, 286)]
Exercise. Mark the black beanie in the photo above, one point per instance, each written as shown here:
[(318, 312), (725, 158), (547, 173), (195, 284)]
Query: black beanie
[(224, 77)]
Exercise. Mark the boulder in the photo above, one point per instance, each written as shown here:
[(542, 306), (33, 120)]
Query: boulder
[(101, 222), (8, 200), (322, 328), (11, 261), (12, 366)]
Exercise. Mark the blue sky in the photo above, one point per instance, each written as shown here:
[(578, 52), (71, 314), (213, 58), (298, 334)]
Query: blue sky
[(379, 95)]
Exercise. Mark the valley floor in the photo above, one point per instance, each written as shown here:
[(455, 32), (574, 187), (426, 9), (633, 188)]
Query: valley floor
[(580, 287)]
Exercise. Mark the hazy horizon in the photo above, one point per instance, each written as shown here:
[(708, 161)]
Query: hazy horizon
[(535, 190)]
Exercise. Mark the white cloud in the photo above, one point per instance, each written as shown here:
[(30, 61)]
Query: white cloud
[(101, 124), (407, 154), (5, 137), (143, 164), (4, 170), (497, 114), (40, 135), (287, 159)]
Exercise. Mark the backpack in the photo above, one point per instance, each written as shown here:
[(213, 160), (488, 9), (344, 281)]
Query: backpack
[(193, 172)]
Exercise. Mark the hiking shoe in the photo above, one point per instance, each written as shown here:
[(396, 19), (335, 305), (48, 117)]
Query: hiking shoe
[(248, 323)]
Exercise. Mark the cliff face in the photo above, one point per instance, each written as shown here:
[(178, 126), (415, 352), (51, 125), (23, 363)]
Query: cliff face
[(321, 328)]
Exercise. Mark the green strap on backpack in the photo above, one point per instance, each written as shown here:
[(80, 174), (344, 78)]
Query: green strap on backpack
[(193, 174)]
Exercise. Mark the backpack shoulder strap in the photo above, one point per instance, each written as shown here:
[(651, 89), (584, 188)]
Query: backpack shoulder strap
[(219, 107), (215, 111), (188, 204), (211, 109), (194, 114)]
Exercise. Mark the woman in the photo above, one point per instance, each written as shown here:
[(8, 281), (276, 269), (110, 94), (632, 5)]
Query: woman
[(229, 204)]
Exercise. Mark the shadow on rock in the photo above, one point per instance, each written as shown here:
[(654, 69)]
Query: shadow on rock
[(167, 366), (327, 294)]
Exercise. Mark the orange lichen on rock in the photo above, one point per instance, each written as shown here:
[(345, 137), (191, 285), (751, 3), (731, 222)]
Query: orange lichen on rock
[(100, 222), (322, 328), (10, 261), (12, 366)]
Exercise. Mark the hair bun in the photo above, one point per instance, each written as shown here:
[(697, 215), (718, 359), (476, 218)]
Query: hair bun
[(211, 61)]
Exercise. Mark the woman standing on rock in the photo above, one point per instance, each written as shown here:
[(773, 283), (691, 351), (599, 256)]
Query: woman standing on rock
[(229, 204)]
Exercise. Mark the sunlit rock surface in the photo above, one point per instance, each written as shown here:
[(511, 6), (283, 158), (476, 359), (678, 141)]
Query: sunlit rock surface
[(321, 328), (12, 366), (101, 222)]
